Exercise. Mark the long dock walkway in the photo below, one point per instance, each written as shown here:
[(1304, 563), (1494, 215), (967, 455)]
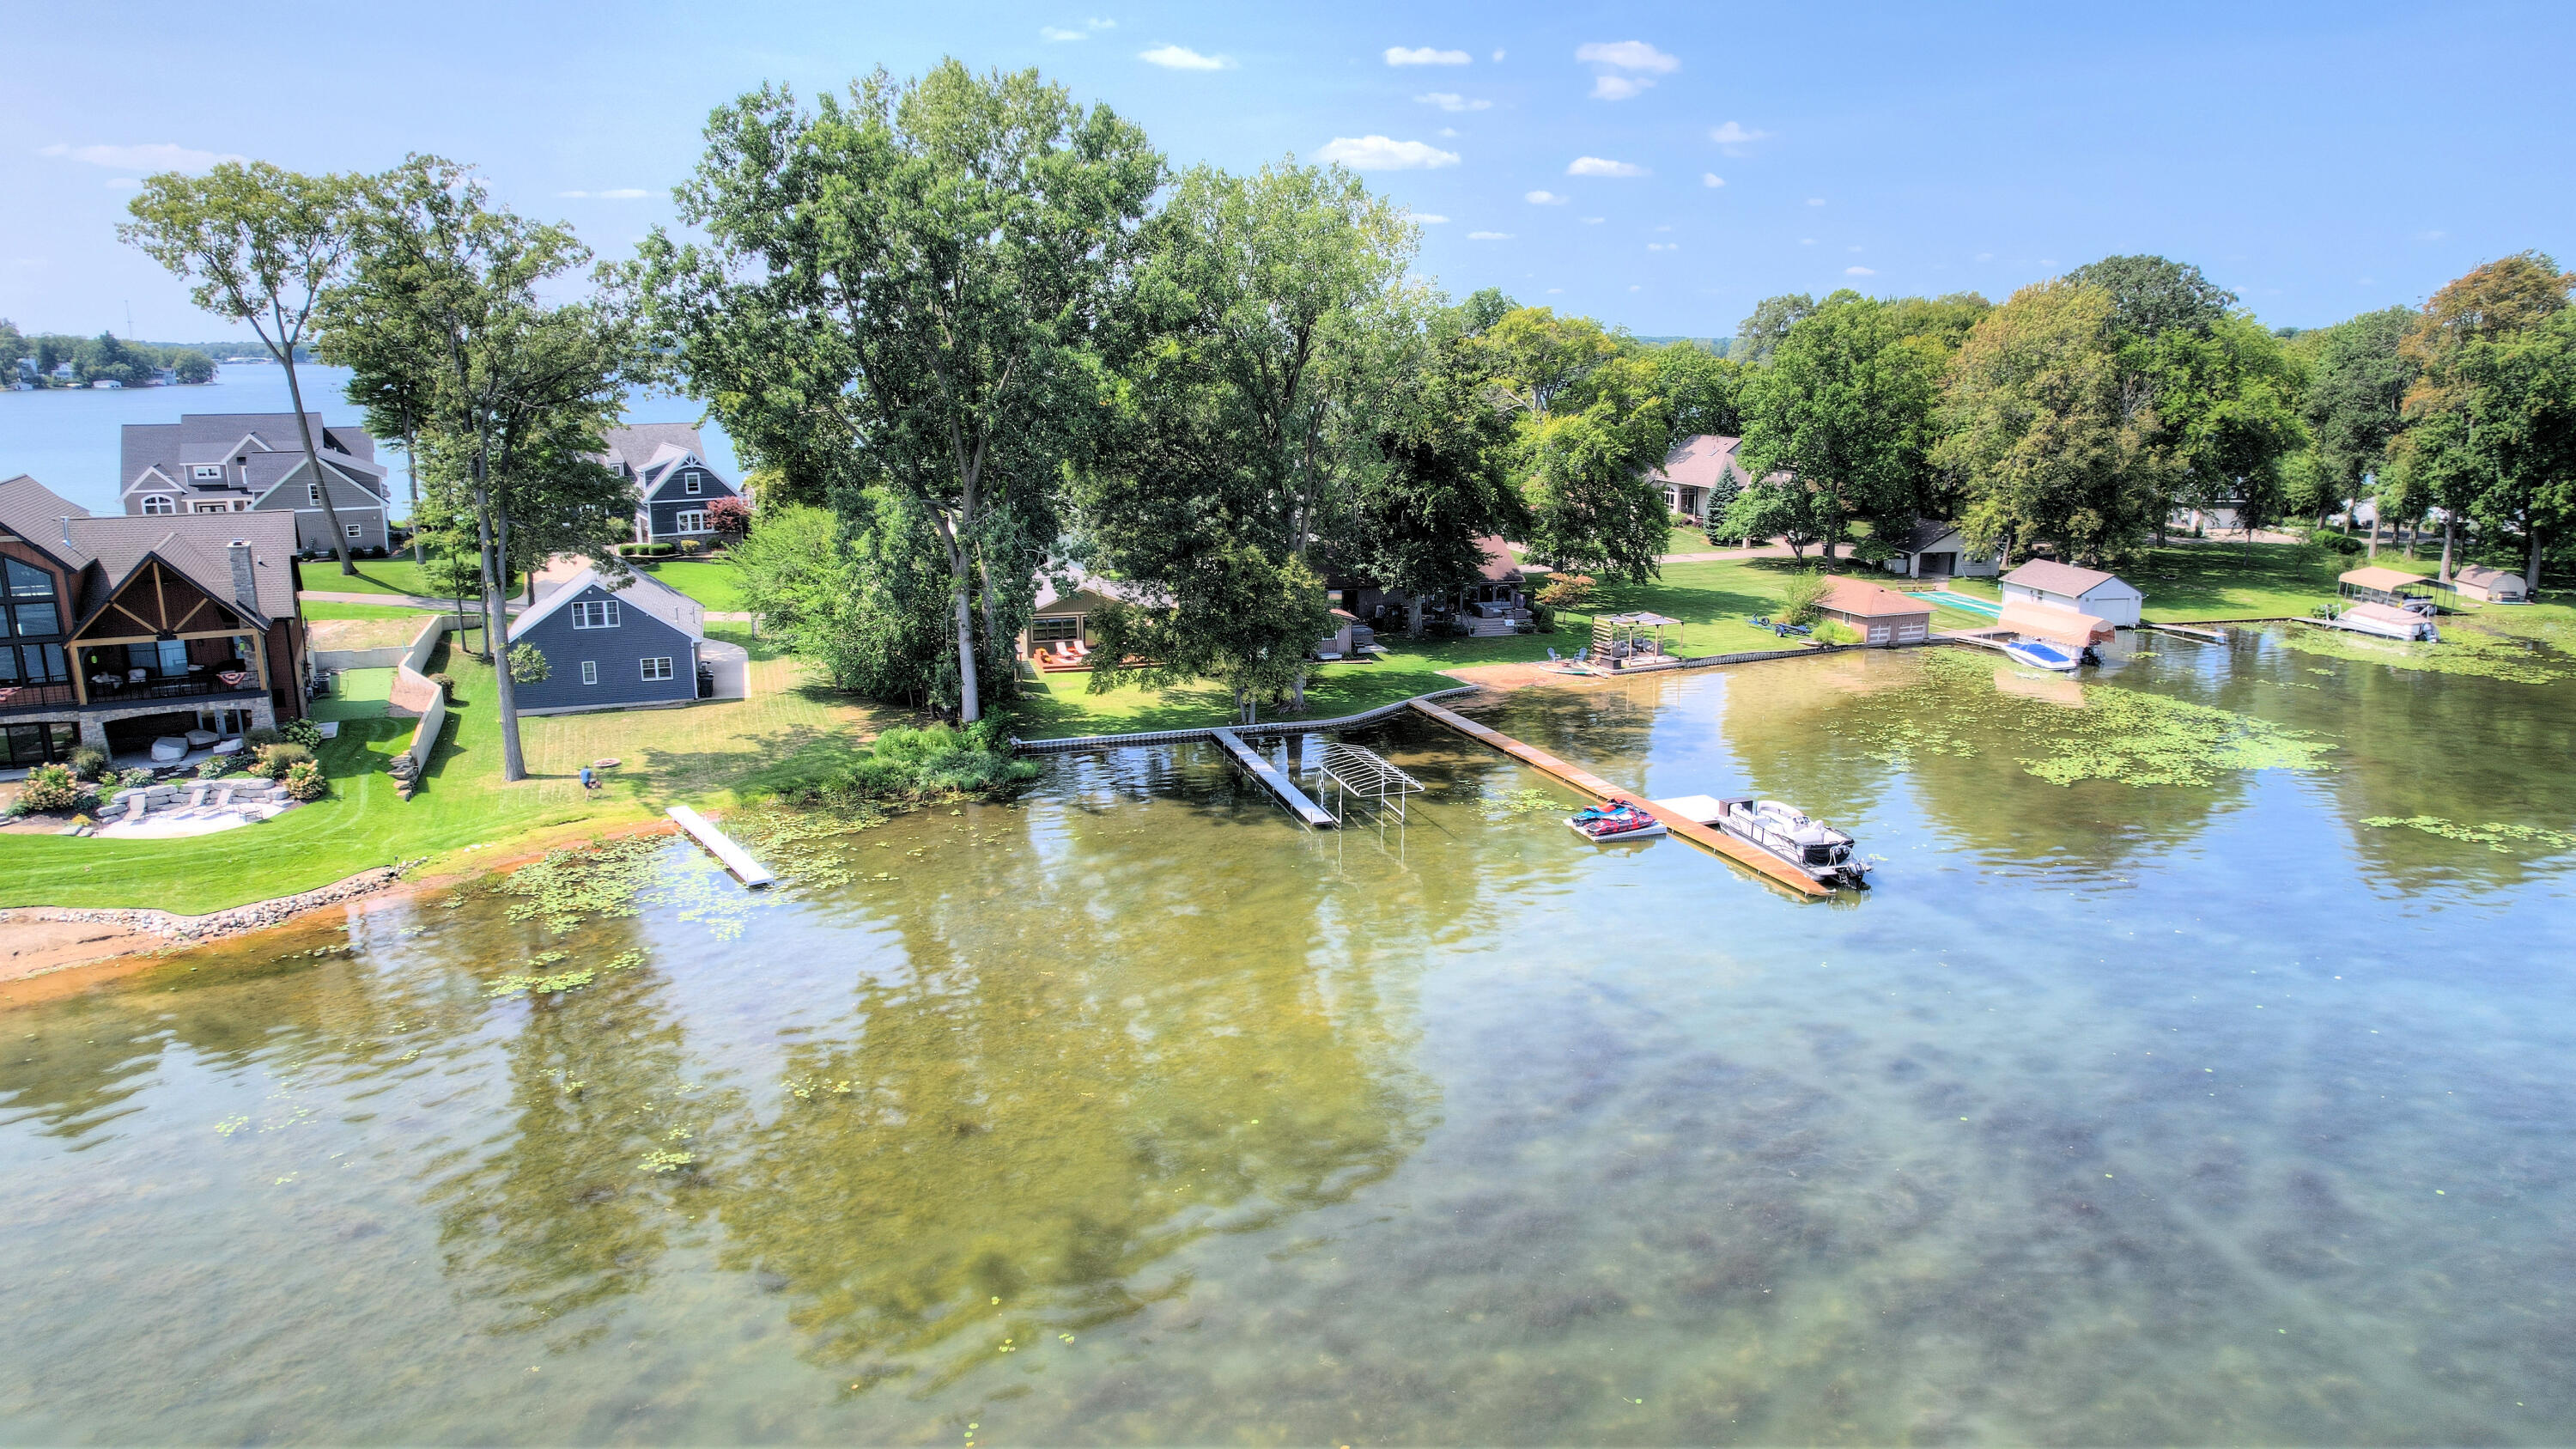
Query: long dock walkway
[(736, 859), (1280, 785), (1707, 838)]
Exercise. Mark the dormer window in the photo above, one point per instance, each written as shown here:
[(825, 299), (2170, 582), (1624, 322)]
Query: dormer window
[(690, 483), (158, 503), (207, 472)]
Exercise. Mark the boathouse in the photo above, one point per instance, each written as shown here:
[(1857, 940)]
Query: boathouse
[(2107, 597), (1882, 617)]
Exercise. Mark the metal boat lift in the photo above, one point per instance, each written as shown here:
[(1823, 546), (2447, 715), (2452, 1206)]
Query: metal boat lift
[(1360, 773)]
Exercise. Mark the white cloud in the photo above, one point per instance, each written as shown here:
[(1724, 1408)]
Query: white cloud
[(1711, 178), (1545, 198), (1450, 132), (1597, 166), (1734, 134), (1985, 256), (1452, 101), (1663, 246), (1425, 55), (1181, 57), (1594, 220), (154, 156), (1858, 272), (1633, 287), (2430, 235), (1806, 241), (1619, 87), (1498, 55), (622, 193), (1489, 236), (1096, 23), (1815, 201), (1555, 291), (1380, 153), (1058, 32), (1663, 228), (1430, 218), (1627, 55)]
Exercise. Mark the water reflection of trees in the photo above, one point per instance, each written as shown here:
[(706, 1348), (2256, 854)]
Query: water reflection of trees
[(1089, 1056)]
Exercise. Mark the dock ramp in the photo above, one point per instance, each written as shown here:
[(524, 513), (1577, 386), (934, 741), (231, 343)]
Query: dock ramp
[(721, 846), (1271, 776)]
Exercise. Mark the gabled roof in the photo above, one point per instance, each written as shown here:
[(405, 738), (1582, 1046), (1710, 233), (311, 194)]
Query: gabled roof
[(1698, 461), (2386, 580), (2480, 576), (639, 445), (199, 546), (222, 437), (1499, 566), (564, 579), (1869, 601), (1925, 533), (35, 513), (2050, 577)]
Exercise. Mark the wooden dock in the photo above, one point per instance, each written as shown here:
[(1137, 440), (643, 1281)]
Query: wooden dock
[(1279, 784), (1708, 838), (721, 846)]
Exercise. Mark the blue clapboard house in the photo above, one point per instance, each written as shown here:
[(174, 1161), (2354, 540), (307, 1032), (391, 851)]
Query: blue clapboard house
[(636, 645)]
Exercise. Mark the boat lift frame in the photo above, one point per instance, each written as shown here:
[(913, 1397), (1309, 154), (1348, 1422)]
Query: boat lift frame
[(1355, 770)]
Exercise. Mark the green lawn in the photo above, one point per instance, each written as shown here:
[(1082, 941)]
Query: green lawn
[(712, 754), (709, 581), (374, 576), (331, 609), (2236, 580), (356, 694)]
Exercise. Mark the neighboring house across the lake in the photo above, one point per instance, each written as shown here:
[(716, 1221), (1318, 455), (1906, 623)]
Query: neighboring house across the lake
[(1696, 467), (255, 463), (622, 648), (673, 481), (1935, 550), (2107, 597), (1882, 617), (118, 630), (2493, 586)]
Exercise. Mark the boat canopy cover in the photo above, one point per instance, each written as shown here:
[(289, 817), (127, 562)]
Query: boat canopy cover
[(2064, 626)]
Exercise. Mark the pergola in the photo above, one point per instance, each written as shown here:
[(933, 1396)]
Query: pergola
[(1617, 636)]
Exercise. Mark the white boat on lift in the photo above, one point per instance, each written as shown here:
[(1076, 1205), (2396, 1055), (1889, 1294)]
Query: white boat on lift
[(2040, 654)]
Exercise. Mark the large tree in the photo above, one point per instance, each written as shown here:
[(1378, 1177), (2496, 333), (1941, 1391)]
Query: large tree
[(1845, 409), (2226, 399), (517, 389), (263, 246), (2476, 403), (2354, 403), (900, 290), (2150, 295), (2039, 425), (1758, 335)]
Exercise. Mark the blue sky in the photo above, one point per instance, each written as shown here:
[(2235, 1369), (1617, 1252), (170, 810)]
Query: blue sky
[(2320, 159)]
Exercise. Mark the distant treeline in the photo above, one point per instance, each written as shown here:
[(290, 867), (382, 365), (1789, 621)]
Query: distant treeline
[(56, 359)]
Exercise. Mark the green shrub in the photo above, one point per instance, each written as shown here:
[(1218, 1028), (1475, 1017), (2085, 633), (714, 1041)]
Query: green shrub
[(304, 780), (1872, 551), (50, 787), (1835, 631), (1567, 591), (302, 732), (89, 762), (215, 767), (1800, 596), (275, 760), (135, 778), (2335, 542), (253, 739), (1543, 618), (937, 763), (446, 686), (528, 665)]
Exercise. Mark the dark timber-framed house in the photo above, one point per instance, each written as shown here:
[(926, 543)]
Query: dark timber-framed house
[(120, 630)]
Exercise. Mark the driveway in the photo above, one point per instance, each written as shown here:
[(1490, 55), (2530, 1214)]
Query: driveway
[(731, 665)]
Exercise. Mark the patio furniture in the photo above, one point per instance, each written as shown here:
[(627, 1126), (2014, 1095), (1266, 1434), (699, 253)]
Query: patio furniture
[(200, 739), (169, 749), (226, 748)]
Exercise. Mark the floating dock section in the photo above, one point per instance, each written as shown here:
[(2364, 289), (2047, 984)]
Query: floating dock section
[(721, 846), (1707, 838), (1279, 784)]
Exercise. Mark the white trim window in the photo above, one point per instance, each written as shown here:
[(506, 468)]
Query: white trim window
[(158, 503), (689, 520), (595, 614), (212, 508), (656, 668), (692, 484), (350, 529), (590, 671), (207, 472)]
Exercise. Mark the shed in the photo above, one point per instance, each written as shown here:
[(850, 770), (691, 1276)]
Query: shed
[(636, 645), (2027, 620), (2376, 585), (1882, 617), (1932, 549), (2107, 597), (2493, 586)]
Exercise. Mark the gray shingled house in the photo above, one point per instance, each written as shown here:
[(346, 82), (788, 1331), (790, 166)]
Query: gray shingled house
[(673, 481), (255, 463), (623, 648)]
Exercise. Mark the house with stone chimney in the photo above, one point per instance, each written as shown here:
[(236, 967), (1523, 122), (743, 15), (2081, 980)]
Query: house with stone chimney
[(118, 630)]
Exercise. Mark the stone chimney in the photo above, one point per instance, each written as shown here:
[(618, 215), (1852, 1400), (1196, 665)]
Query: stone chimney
[(245, 584)]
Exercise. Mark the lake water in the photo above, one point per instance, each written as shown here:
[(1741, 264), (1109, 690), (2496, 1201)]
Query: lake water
[(2116, 1113), (68, 439)]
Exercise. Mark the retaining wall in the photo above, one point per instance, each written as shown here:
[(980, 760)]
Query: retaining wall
[(415, 694)]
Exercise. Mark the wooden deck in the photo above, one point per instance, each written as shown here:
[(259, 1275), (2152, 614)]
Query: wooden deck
[(1706, 837)]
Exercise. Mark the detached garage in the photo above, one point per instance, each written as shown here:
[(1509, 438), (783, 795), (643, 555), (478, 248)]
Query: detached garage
[(2107, 597)]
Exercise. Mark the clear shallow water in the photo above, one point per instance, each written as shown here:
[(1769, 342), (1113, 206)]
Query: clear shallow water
[(1134, 1114)]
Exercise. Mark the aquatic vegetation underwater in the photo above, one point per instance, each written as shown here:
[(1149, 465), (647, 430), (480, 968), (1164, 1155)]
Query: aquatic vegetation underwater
[(2494, 835), (2466, 648), (2118, 734), (1513, 804)]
